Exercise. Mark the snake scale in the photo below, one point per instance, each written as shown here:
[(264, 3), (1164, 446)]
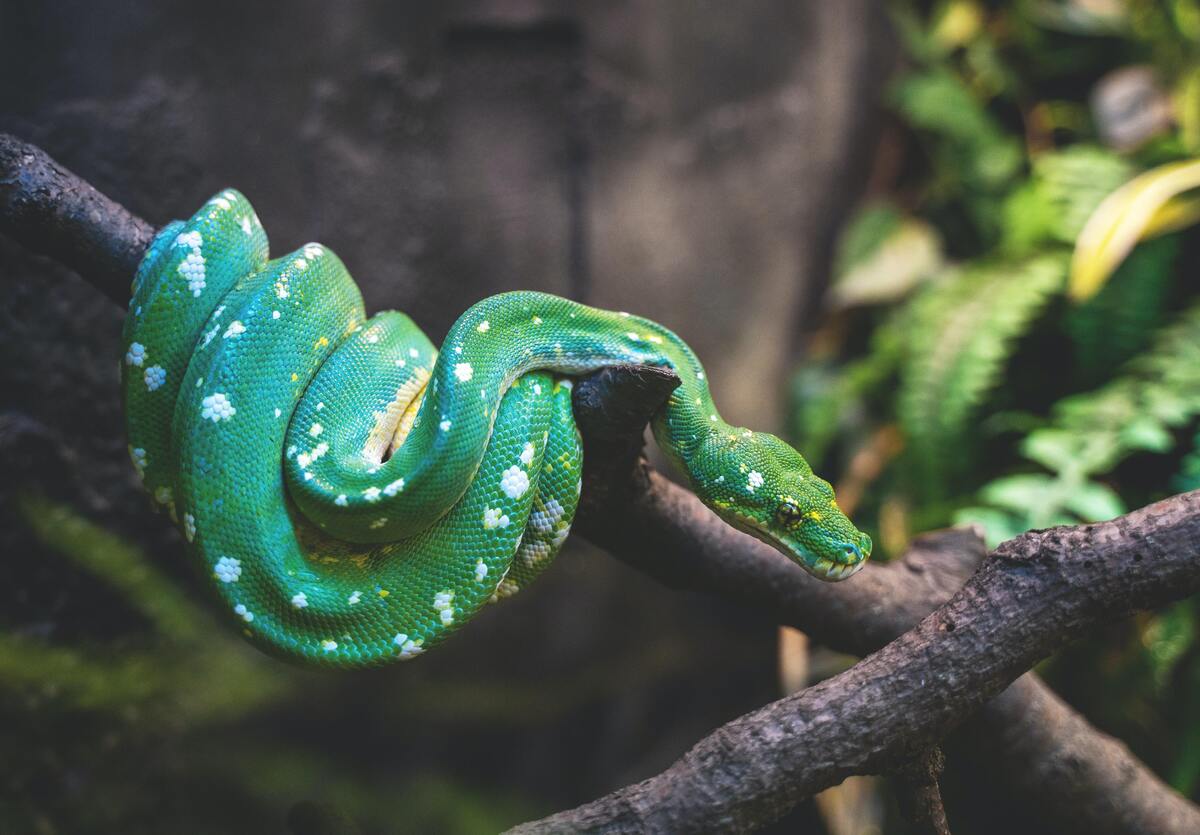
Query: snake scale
[(355, 494)]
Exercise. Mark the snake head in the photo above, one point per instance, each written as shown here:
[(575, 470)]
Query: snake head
[(761, 485)]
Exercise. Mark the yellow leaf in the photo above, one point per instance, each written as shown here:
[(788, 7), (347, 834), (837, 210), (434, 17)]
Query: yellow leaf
[(1146, 206)]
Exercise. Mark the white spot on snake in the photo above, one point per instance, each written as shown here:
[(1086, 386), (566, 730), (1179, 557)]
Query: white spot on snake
[(312, 251), (281, 287), (340, 501), (216, 407), (400, 363), (138, 456), (155, 376), (484, 327), (443, 603), (191, 269), (537, 388), (300, 600), (409, 649), (275, 314), (228, 570), (414, 353), (354, 598), (544, 521), (371, 494), (210, 335), (246, 225), (566, 384), (320, 406), (241, 611), (481, 571), (458, 349), (514, 482), (633, 337), (303, 459), (623, 314), (136, 354), (235, 328), (278, 412), (657, 340), (506, 588), (527, 455), (371, 336), (291, 451), (755, 480), (713, 418), (316, 429), (394, 488), (400, 639), (493, 518), (378, 523), (328, 645), (444, 425), (699, 375), (189, 527), (300, 264), (191, 240), (537, 320), (464, 372), (308, 476)]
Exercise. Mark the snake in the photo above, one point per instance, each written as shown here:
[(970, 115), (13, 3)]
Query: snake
[(353, 493)]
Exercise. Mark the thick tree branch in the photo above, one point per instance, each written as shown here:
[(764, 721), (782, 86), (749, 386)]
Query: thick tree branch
[(53, 212), (663, 530), (1034, 594)]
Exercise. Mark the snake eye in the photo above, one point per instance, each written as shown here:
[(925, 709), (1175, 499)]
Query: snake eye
[(787, 514)]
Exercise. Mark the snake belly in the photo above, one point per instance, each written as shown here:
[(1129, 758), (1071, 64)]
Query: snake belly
[(354, 494)]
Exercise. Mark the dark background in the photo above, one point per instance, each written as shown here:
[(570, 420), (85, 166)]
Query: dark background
[(689, 161)]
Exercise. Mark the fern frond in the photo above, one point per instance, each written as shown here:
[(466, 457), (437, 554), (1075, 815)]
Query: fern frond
[(963, 332), (1119, 321)]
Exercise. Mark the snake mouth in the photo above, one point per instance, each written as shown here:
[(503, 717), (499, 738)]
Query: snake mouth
[(822, 568)]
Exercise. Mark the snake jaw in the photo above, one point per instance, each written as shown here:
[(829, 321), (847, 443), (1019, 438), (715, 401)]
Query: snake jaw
[(820, 567)]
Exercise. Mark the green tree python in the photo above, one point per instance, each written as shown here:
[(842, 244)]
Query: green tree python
[(355, 494)]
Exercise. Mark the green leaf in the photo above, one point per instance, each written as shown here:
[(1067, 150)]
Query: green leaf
[(882, 256), (1146, 433), (998, 525), (1019, 493), (1054, 449), (964, 329), (1094, 502)]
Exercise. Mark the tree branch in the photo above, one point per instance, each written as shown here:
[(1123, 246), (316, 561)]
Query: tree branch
[(1027, 736), (53, 212), (1033, 595)]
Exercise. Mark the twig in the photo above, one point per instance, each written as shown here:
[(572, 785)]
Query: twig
[(664, 531), (918, 794)]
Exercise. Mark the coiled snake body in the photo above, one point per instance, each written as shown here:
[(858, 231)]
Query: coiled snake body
[(357, 495)]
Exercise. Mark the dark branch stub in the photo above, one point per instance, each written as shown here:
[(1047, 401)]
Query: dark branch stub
[(612, 407), (53, 212)]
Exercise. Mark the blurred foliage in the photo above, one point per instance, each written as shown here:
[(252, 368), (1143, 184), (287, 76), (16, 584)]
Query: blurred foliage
[(190, 684), (1017, 302)]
